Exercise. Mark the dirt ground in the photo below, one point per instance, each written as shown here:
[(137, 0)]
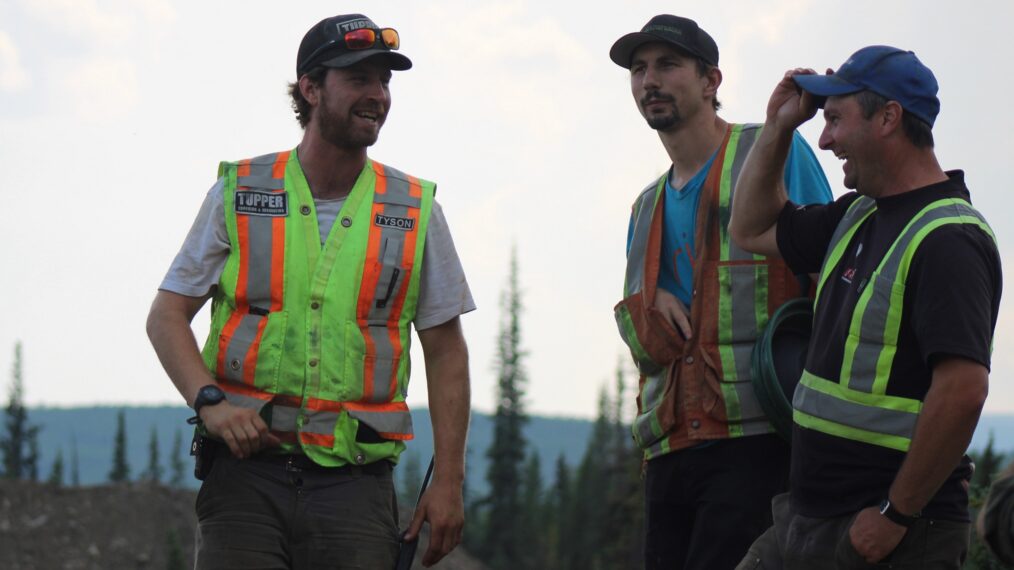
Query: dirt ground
[(120, 527)]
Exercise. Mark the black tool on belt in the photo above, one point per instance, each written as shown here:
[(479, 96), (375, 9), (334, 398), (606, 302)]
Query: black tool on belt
[(406, 552)]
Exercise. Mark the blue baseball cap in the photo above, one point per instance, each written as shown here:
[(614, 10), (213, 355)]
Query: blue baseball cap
[(889, 72)]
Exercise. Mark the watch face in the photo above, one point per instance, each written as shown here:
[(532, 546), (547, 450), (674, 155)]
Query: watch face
[(209, 396)]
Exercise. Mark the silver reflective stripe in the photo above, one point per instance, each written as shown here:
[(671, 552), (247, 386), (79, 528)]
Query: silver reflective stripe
[(320, 422), (747, 136), (260, 233), (881, 318), (853, 414), (260, 181), (239, 345), (645, 208), (244, 401), (645, 425), (258, 278), (284, 418), (385, 422)]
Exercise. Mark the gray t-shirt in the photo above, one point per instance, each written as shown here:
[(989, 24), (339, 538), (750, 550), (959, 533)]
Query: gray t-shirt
[(443, 290)]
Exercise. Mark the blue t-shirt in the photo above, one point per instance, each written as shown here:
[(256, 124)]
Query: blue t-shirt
[(804, 180)]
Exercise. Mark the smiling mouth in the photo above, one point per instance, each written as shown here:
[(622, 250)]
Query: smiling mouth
[(367, 115)]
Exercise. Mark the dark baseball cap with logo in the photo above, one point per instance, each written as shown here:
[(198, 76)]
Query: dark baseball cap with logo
[(339, 42), (890, 72), (682, 33)]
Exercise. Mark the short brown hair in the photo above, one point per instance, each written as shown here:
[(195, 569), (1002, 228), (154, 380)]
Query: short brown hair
[(919, 133), (300, 106)]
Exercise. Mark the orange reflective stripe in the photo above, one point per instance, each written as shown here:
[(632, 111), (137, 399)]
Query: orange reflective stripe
[(389, 407), (316, 439), (368, 286), (278, 240)]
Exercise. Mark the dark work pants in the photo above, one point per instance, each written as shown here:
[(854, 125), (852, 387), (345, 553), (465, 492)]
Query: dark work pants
[(798, 542), (254, 515), (706, 505)]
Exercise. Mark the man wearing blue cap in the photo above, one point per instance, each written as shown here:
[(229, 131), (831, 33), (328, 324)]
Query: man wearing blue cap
[(319, 261), (693, 306), (909, 290)]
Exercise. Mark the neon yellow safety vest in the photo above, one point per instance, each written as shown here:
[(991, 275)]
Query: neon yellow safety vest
[(856, 405), (317, 338)]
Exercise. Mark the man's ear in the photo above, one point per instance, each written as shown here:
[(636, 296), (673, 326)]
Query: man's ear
[(309, 90), (713, 79), (890, 117)]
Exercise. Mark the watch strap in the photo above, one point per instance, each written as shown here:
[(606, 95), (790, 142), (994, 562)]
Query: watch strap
[(894, 515)]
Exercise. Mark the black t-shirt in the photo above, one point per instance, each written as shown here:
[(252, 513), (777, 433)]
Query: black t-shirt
[(952, 296)]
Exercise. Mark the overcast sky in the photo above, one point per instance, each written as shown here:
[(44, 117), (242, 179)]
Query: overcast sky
[(115, 113)]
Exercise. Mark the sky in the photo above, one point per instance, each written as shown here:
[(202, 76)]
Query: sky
[(115, 113)]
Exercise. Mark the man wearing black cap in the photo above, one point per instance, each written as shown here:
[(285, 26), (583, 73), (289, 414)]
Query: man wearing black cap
[(694, 304), (319, 261), (907, 300)]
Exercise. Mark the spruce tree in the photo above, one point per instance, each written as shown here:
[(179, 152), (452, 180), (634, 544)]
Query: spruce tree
[(32, 458), (502, 542), (75, 464), (19, 443), (561, 535), (120, 470), (177, 467), (534, 524), (56, 474), (153, 473)]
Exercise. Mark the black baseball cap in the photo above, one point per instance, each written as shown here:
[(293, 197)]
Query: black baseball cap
[(890, 72), (683, 33), (325, 45)]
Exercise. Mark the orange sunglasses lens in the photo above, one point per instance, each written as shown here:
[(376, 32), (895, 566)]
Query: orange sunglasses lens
[(391, 38), (360, 39)]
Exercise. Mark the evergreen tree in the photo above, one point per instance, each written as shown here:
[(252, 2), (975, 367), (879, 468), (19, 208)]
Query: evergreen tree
[(32, 457), (56, 474), (19, 445), (560, 534), (75, 464), (120, 471), (534, 524), (154, 471), (177, 467), (502, 542), (987, 464)]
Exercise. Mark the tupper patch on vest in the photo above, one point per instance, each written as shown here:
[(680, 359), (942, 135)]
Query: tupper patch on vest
[(407, 224), (260, 203)]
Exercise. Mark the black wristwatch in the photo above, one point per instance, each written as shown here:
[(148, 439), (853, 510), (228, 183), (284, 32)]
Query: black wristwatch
[(208, 396), (893, 515)]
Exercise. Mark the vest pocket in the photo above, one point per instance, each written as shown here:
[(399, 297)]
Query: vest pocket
[(657, 340), (657, 408)]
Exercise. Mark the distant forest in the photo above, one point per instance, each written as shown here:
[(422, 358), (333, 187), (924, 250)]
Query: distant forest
[(540, 492)]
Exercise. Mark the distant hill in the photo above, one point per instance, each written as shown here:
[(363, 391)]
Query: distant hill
[(93, 429)]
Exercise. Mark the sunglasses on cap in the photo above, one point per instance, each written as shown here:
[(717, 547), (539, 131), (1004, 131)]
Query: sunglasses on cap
[(363, 38)]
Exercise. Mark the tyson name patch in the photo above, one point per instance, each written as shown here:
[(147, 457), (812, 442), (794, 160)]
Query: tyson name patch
[(407, 224)]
